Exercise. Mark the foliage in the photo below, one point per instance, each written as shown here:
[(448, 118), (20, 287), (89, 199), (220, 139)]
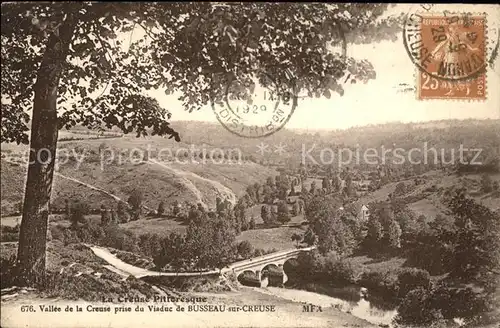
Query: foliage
[(431, 249), (331, 232), (121, 212), (106, 216), (384, 284), (411, 278), (77, 213), (340, 271), (161, 209), (211, 243), (8, 271), (486, 183), (461, 302), (312, 188), (265, 215), (309, 237), (400, 189), (326, 184), (283, 212), (9, 233), (417, 309), (90, 288), (252, 224), (176, 208), (477, 246), (393, 235), (150, 244), (374, 235), (328, 268), (170, 250), (245, 249), (297, 238), (135, 201), (230, 41)]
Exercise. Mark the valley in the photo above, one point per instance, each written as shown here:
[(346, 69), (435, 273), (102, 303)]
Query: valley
[(137, 199)]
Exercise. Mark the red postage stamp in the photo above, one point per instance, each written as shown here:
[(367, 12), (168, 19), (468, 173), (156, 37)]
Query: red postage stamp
[(429, 87), (450, 53)]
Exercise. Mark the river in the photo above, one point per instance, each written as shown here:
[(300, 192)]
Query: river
[(347, 299)]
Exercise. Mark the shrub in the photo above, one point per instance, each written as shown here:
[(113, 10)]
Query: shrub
[(90, 288), (161, 209), (252, 224), (382, 283), (400, 189), (417, 309), (135, 201), (150, 244), (110, 236), (258, 252), (121, 239), (6, 237), (9, 229), (90, 233), (57, 232), (78, 211), (412, 278), (9, 233), (340, 271), (458, 302), (310, 265), (245, 249), (249, 278), (7, 272)]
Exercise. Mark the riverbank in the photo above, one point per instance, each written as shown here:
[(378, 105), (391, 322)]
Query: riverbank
[(83, 272), (345, 299), (286, 313)]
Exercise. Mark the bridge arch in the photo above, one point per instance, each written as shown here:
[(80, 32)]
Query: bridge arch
[(265, 262), (272, 274), (249, 278)]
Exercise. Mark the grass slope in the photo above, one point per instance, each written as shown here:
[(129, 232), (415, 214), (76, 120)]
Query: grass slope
[(170, 182)]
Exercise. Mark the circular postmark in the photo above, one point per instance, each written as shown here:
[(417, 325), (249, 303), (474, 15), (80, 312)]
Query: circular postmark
[(255, 106), (447, 46)]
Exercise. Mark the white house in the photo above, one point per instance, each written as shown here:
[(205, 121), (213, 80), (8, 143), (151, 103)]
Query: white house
[(363, 213)]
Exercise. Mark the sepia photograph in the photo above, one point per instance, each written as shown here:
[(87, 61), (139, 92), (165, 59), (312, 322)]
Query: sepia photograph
[(250, 164)]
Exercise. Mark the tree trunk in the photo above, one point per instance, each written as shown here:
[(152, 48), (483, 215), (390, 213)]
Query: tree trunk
[(43, 144)]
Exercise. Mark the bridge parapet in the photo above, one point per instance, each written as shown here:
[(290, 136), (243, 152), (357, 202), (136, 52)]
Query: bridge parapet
[(258, 263)]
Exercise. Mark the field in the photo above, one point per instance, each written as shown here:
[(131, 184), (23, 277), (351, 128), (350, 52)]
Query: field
[(278, 238), (426, 197), (160, 226), (102, 179)]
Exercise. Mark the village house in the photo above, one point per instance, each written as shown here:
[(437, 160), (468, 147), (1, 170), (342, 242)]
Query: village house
[(363, 213)]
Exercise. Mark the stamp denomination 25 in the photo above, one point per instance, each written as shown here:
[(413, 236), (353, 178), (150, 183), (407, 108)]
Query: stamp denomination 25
[(450, 52)]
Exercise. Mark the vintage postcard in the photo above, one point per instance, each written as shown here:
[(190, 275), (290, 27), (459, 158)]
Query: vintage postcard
[(250, 164)]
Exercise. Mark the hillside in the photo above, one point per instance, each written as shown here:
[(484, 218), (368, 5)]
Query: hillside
[(425, 198), (445, 134), (102, 179), (169, 175), (12, 186)]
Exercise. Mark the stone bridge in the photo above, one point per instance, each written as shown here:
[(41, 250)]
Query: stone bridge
[(257, 265)]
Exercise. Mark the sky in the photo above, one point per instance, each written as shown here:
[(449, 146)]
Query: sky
[(379, 100)]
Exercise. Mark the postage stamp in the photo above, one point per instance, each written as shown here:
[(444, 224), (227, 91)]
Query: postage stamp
[(449, 51), (263, 164), (255, 106), (429, 87)]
